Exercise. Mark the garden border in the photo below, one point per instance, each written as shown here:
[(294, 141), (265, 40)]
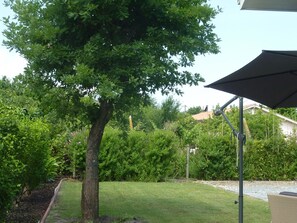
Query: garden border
[(43, 220)]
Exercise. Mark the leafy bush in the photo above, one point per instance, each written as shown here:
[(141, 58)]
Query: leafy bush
[(133, 155), (69, 148), (10, 167), (137, 146), (10, 173), (34, 151), (272, 159), (162, 155), (77, 151), (215, 158), (60, 152), (290, 163), (263, 126), (112, 156), (24, 154), (138, 155)]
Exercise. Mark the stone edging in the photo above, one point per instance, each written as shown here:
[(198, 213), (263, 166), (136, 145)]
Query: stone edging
[(43, 220)]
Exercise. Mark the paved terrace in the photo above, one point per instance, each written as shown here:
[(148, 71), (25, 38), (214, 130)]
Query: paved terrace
[(258, 189)]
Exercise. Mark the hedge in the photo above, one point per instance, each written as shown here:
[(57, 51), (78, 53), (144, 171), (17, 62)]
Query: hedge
[(271, 159), (25, 159), (137, 155)]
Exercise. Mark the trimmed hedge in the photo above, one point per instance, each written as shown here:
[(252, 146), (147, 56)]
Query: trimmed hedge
[(129, 156), (155, 156), (162, 156), (272, 159), (113, 156), (138, 156), (25, 159), (267, 156), (215, 158)]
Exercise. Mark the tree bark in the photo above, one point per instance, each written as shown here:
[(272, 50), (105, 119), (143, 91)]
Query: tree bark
[(90, 189)]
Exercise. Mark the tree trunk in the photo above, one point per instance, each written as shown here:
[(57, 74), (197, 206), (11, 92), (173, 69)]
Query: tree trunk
[(90, 189)]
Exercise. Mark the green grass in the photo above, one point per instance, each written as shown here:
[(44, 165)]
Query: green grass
[(161, 202), (67, 205)]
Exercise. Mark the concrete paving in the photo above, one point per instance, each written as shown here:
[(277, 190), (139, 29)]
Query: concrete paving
[(257, 189)]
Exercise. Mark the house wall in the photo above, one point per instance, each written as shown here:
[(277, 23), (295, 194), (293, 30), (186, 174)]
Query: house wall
[(288, 128), (287, 125)]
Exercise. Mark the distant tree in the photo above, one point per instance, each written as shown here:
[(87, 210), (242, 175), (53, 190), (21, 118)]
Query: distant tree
[(151, 118), (145, 116), (5, 83), (170, 109), (89, 58), (13, 94), (194, 110), (155, 116)]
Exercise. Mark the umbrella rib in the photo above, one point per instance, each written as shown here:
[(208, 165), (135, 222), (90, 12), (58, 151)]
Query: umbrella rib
[(256, 77), (284, 99)]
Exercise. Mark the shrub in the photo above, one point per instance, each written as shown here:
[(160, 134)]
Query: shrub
[(112, 155), (34, 151), (60, 152), (10, 173), (162, 155), (137, 155), (69, 150), (215, 158), (77, 151), (24, 154), (137, 146), (271, 159)]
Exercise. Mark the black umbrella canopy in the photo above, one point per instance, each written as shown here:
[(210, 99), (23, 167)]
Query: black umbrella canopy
[(270, 79)]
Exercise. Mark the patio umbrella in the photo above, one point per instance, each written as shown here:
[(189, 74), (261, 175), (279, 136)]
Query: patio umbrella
[(270, 79)]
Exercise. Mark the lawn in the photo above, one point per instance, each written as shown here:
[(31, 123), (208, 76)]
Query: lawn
[(161, 202)]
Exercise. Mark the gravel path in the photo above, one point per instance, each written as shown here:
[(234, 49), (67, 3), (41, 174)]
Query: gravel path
[(258, 189)]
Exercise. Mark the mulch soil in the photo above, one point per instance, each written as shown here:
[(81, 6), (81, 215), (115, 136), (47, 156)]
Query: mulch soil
[(32, 207)]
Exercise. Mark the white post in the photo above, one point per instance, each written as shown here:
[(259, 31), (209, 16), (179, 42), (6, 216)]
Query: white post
[(188, 162)]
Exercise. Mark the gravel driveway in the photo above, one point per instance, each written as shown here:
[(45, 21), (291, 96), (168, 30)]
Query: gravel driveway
[(258, 189)]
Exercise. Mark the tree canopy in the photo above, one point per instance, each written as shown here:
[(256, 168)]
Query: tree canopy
[(120, 51)]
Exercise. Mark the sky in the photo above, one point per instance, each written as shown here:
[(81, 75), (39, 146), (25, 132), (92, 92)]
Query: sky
[(243, 33), (11, 63)]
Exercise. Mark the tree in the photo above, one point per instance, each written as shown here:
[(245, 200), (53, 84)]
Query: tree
[(148, 118), (93, 57), (170, 110), (153, 116), (145, 116), (195, 110)]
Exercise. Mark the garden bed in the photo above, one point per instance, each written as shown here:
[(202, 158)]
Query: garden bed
[(31, 208)]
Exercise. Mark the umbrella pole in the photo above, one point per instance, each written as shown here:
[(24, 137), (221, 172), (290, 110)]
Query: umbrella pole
[(241, 139)]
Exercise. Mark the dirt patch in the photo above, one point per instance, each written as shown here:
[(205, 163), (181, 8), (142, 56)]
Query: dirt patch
[(31, 208)]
